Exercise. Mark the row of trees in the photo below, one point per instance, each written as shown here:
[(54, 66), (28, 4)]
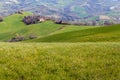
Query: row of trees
[(84, 23)]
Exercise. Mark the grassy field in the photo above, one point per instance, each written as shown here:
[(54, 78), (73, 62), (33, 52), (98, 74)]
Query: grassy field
[(66, 58), (96, 34), (60, 61)]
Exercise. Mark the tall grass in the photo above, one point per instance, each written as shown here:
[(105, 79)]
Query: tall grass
[(59, 61)]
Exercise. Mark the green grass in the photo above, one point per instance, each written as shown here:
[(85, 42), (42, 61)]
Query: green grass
[(13, 25), (98, 34), (70, 28), (62, 59), (59, 61)]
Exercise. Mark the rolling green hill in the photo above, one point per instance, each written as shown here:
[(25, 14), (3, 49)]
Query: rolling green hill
[(99, 34), (49, 32), (13, 25)]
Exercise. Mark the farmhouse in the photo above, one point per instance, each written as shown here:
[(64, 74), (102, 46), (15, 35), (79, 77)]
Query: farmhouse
[(104, 17)]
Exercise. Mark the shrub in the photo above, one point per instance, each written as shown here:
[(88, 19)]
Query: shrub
[(32, 36), (58, 22), (17, 38)]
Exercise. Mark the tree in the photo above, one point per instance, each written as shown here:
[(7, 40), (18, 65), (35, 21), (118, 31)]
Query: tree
[(32, 36), (94, 23), (58, 22), (1, 19), (108, 23)]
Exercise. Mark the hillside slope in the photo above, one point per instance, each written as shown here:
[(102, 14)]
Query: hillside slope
[(104, 34), (13, 25)]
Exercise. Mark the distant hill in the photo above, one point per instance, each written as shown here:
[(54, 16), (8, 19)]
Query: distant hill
[(65, 9)]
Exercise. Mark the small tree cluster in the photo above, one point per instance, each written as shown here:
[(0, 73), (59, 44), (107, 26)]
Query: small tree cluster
[(17, 38), (58, 21), (34, 19), (30, 20), (19, 12)]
